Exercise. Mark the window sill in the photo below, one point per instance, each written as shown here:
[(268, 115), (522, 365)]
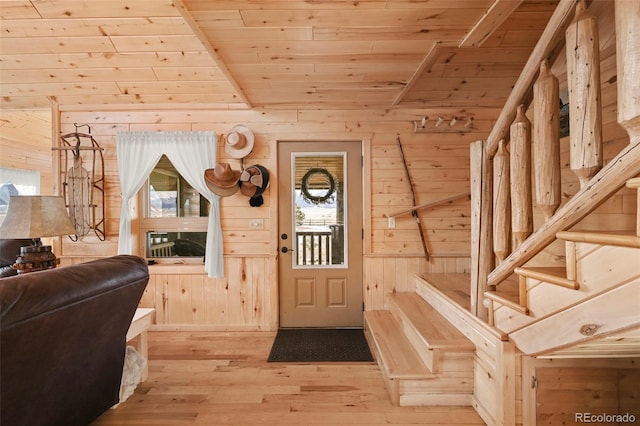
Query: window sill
[(177, 268)]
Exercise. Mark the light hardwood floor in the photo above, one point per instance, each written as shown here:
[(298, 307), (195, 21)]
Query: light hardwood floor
[(210, 378)]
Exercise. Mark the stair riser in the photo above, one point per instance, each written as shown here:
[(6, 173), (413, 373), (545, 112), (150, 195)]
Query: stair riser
[(451, 388)]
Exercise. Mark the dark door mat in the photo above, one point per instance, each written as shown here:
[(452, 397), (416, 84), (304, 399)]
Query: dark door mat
[(320, 345)]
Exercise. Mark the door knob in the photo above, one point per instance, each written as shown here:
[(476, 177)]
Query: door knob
[(285, 249)]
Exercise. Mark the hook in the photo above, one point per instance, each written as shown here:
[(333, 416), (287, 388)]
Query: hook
[(439, 122), (469, 123)]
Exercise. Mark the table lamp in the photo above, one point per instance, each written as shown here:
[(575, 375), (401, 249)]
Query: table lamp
[(36, 216)]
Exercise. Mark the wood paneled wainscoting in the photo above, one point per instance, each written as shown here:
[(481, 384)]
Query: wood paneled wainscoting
[(245, 299)]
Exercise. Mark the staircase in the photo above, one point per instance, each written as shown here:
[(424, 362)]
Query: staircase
[(601, 269), (425, 359), (436, 349)]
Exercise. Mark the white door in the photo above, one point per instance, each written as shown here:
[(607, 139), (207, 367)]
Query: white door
[(320, 232)]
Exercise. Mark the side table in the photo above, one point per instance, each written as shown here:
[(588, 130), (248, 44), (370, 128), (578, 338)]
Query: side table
[(142, 320)]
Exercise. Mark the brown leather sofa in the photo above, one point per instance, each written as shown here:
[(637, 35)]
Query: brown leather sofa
[(62, 340)]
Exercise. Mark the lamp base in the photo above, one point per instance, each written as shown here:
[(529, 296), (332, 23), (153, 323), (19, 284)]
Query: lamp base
[(35, 258)]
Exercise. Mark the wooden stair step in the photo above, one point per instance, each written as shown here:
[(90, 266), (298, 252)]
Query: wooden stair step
[(431, 334), (434, 329), (634, 183), (553, 274), (455, 287), (396, 356), (513, 304), (508, 294), (623, 239)]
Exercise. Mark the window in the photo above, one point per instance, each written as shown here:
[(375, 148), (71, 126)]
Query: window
[(16, 182), (174, 222)]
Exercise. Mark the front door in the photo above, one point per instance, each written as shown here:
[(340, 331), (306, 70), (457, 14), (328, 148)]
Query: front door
[(320, 231)]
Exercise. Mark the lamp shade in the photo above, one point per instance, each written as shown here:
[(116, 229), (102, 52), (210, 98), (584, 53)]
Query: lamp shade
[(36, 216)]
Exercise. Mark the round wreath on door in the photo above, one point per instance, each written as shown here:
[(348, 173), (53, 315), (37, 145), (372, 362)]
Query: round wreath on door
[(326, 181)]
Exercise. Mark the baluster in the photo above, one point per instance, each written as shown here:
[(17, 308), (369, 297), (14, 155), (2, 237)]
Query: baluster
[(501, 204), (628, 64), (520, 161), (305, 260), (585, 105), (546, 141), (327, 242)]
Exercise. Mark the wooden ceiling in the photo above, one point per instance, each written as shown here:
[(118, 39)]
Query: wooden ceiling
[(265, 53)]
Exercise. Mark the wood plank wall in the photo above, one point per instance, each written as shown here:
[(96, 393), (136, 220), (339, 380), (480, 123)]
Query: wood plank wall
[(247, 297), (25, 144), (439, 164)]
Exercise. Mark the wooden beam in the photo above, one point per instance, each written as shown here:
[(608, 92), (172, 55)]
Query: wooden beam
[(611, 177), (553, 34), (429, 204), (602, 314), (212, 51), (497, 13), (427, 63)]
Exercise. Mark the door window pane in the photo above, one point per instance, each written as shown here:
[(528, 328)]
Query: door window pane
[(319, 209)]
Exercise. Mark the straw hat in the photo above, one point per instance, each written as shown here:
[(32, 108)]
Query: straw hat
[(239, 142), (254, 180), (222, 180)]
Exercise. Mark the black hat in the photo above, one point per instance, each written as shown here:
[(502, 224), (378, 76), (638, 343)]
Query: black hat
[(254, 180)]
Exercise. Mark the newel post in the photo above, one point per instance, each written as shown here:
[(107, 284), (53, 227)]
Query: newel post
[(481, 226), (628, 63)]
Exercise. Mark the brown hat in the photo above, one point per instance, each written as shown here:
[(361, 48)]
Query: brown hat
[(222, 180), (254, 180), (239, 142)]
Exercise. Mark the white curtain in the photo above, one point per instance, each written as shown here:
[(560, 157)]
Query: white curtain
[(191, 153)]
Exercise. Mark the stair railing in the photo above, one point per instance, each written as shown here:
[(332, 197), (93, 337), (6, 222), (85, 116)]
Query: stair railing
[(501, 181)]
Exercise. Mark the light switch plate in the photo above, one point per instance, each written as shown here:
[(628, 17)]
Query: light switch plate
[(256, 223)]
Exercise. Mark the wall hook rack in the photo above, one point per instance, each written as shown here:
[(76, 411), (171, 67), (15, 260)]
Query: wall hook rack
[(443, 124)]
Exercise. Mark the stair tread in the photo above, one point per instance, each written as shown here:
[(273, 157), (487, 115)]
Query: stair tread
[(435, 329), (398, 357), (508, 293), (510, 301), (558, 271), (456, 287), (634, 183), (508, 289), (550, 274), (616, 238)]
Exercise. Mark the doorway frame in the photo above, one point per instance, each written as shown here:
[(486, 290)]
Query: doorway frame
[(274, 149)]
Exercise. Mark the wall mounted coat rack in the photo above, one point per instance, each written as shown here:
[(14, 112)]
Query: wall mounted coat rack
[(442, 124)]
